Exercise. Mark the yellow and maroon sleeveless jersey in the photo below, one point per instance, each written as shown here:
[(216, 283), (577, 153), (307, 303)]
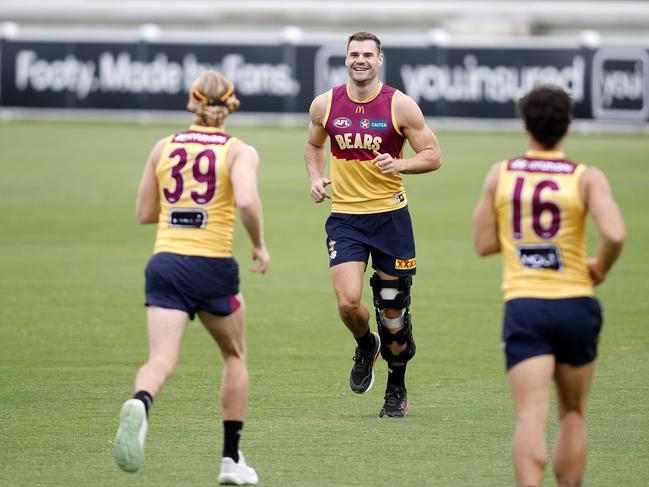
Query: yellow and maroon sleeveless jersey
[(541, 227), (356, 128), (196, 197)]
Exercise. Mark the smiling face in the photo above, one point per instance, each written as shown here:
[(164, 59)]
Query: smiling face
[(363, 61)]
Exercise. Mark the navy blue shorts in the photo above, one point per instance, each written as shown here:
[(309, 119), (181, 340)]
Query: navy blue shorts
[(192, 283), (387, 237), (566, 328)]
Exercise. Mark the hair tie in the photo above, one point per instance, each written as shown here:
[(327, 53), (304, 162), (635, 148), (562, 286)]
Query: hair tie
[(228, 92), (201, 98), (198, 96)]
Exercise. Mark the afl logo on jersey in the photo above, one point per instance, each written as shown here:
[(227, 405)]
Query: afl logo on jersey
[(342, 122)]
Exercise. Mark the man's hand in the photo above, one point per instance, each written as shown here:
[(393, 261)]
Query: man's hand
[(386, 163), (596, 273), (318, 193), (260, 254)]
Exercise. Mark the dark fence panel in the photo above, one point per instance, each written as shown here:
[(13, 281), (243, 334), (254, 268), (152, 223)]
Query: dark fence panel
[(608, 83)]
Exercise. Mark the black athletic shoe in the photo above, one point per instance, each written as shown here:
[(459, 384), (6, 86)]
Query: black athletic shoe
[(396, 402), (361, 378)]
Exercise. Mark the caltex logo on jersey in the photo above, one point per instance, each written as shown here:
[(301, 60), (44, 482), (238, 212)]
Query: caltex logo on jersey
[(342, 122), (374, 124)]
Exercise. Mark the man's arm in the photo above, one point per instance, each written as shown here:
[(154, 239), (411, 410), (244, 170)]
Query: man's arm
[(314, 151), (485, 219), (411, 122), (147, 205), (597, 196), (243, 161)]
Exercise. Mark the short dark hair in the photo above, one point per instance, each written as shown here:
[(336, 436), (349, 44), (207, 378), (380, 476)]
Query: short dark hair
[(364, 36), (547, 112)]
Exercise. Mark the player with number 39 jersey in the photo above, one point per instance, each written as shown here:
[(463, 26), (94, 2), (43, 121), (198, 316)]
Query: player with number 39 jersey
[(192, 182), (195, 191)]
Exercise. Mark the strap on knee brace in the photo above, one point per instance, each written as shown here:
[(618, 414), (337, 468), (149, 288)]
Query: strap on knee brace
[(402, 284), (401, 337)]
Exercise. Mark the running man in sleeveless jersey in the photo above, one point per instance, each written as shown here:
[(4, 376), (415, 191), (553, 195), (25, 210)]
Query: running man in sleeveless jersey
[(533, 210), (192, 182), (367, 123)]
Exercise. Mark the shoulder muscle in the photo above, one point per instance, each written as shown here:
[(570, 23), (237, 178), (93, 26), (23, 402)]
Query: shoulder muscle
[(318, 108), (241, 153), (156, 151), (407, 113)]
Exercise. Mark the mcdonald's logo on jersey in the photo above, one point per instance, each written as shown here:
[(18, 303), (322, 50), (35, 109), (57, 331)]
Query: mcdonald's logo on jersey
[(360, 109)]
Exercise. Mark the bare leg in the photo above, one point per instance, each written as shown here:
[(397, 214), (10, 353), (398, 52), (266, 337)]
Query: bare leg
[(347, 280), (166, 328), (229, 334), (529, 383), (573, 384)]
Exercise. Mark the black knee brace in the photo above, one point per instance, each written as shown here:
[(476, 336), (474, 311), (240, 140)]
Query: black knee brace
[(402, 337), (400, 301), (401, 284)]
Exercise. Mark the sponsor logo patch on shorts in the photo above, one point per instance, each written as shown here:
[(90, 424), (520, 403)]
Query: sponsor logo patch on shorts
[(402, 264), (332, 251)]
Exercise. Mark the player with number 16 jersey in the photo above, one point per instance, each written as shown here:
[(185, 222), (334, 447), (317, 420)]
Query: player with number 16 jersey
[(541, 227), (533, 210)]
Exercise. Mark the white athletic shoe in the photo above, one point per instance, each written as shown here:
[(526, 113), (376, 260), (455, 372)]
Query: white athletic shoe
[(131, 435), (237, 473)]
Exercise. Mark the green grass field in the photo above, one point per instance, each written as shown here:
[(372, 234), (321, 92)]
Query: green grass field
[(72, 326)]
